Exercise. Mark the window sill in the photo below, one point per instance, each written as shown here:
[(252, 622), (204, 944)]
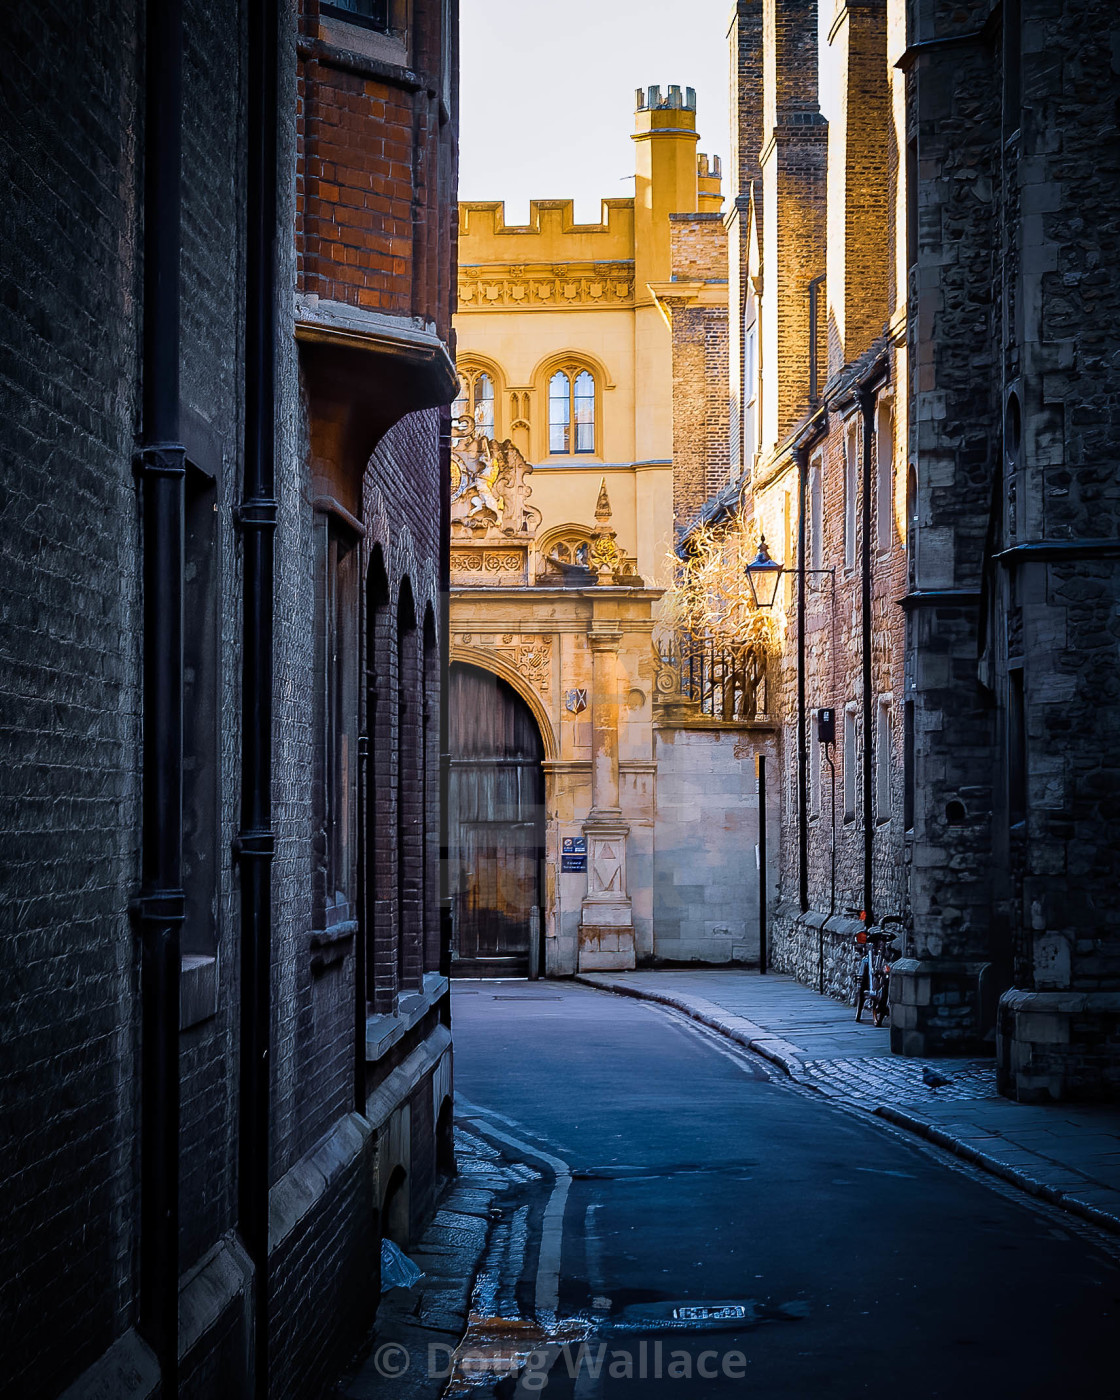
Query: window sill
[(383, 1032), (330, 945), (198, 989), (355, 34)]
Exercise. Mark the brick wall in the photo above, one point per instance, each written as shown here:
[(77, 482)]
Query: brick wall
[(859, 193), (375, 180), (355, 192), (794, 160), (69, 658), (402, 545), (211, 390), (955, 400), (797, 244), (70, 653), (698, 244)]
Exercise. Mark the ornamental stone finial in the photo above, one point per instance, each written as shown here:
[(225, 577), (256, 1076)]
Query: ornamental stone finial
[(603, 504)]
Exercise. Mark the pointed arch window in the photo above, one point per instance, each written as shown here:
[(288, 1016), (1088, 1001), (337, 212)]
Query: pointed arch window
[(571, 411), (476, 400)]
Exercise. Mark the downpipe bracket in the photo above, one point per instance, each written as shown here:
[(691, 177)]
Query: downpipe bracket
[(159, 907), (160, 459), (254, 845), (257, 513)]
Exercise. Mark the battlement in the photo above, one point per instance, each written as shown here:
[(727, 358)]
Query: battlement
[(552, 232), (709, 167), (678, 100)]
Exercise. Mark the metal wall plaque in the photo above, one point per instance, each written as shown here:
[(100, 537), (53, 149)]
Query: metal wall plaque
[(573, 854)]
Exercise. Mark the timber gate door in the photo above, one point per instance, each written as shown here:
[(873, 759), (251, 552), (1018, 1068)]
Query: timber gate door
[(496, 819)]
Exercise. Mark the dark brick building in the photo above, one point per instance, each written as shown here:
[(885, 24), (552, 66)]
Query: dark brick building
[(938, 450), (226, 262), (1012, 646), (818, 415)]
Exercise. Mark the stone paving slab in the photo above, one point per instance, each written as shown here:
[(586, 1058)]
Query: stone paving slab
[(1067, 1154), (434, 1314)]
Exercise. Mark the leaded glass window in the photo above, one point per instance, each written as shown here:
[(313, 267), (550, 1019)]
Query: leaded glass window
[(476, 400), (571, 411)]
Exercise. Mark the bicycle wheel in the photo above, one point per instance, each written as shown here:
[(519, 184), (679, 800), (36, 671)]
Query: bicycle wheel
[(861, 991)]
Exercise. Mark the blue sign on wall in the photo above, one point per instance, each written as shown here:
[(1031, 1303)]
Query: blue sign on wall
[(573, 854)]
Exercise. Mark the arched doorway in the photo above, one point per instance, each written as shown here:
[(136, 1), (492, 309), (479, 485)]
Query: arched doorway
[(496, 813)]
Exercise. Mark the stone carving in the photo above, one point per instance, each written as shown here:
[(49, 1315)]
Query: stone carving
[(534, 661), (567, 557), (530, 656), (555, 284), (489, 490), (606, 867), (604, 556), (667, 675), (486, 562), (575, 700)]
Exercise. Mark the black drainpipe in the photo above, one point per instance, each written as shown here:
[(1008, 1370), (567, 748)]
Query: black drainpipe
[(445, 929), (161, 466), (257, 519), (801, 457), (814, 334), (867, 408)]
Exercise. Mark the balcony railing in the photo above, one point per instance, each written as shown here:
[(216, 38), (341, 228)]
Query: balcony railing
[(726, 681)]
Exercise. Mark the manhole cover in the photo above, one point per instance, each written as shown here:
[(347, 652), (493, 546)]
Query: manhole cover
[(696, 1312)]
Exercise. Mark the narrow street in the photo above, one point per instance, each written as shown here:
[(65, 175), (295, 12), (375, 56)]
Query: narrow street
[(671, 1171)]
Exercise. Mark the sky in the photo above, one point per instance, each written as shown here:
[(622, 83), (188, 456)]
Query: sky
[(546, 99), (547, 92)]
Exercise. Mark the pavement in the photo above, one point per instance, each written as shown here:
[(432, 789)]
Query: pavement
[(1066, 1154), (428, 1320)]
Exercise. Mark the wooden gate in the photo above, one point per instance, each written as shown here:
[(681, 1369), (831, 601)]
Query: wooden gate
[(496, 820)]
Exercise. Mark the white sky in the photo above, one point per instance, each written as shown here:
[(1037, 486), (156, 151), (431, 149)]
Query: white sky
[(547, 92)]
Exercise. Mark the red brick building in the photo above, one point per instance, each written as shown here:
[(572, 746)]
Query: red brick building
[(227, 285)]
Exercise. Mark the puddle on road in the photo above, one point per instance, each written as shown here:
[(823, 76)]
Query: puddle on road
[(738, 1170), (507, 1348)]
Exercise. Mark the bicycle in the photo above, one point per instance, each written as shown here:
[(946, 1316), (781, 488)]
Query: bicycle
[(873, 980)]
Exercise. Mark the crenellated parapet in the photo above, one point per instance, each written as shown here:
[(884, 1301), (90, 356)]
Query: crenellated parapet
[(676, 98), (481, 223)]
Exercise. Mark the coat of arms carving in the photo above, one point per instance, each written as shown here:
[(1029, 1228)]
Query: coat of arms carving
[(489, 490)]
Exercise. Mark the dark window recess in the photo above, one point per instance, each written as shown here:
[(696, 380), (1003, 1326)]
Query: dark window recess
[(379, 710), (336, 724), (911, 202), (372, 14), (429, 901), (1016, 749), (408, 731), (200, 715), (908, 765)]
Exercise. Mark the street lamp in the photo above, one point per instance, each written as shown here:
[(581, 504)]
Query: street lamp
[(763, 575)]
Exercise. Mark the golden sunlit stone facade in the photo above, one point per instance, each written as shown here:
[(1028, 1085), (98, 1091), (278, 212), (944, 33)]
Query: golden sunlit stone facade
[(571, 339)]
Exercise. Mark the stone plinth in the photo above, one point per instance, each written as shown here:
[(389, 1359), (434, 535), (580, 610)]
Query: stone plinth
[(937, 1008), (1058, 1045), (606, 948)]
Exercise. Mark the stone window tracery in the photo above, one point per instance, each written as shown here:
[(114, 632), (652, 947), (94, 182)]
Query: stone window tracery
[(571, 550), (476, 399), (571, 411)]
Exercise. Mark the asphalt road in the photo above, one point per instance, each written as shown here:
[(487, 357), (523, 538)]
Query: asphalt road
[(669, 1171)]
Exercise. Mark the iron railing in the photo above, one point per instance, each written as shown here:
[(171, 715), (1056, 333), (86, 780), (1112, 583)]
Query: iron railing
[(727, 680)]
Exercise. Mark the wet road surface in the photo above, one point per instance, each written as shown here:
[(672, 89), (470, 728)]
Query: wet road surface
[(661, 1171)]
